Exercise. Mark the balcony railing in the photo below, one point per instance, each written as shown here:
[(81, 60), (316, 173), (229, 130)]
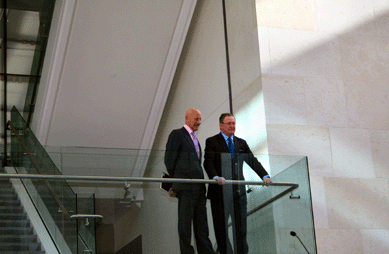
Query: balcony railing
[(92, 201)]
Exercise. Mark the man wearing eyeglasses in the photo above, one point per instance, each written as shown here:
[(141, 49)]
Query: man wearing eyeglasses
[(224, 157)]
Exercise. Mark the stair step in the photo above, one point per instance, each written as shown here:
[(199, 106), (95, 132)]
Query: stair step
[(13, 216), (9, 202), (8, 196), (10, 209), (23, 239), (5, 182), (7, 189), (14, 223), (22, 252), (20, 247), (16, 231)]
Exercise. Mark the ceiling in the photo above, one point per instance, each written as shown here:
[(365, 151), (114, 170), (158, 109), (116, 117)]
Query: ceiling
[(106, 75)]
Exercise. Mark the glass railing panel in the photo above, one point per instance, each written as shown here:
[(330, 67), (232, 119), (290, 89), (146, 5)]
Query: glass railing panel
[(268, 227), (54, 199), (86, 226), (294, 213), (141, 215), (62, 230)]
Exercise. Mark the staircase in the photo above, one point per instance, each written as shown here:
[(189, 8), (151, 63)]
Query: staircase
[(16, 233)]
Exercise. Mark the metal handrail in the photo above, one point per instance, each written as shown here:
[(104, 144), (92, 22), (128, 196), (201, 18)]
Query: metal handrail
[(140, 179), (292, 186), (87, 216), (57, 200)]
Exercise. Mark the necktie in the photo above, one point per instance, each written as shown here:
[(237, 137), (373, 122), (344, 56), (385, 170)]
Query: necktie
[(196, 143), (231, 146)]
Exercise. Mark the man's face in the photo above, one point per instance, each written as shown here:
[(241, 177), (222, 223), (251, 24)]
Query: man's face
[(193, 120), (228, 126)]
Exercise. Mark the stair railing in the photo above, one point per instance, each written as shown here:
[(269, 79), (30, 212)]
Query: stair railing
[(58, 201)]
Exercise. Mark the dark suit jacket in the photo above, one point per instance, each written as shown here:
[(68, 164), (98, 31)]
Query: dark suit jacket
[(181, 160), (214, 147)]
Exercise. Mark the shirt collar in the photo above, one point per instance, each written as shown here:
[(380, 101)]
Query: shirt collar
[(226, 137), (188, 129)]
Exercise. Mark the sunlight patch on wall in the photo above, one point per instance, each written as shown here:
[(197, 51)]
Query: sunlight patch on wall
[(287, 14), (251, 126)]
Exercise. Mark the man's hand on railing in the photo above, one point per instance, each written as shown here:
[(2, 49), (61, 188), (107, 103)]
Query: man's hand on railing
[(220, 180), (267, 181), (172, 193)]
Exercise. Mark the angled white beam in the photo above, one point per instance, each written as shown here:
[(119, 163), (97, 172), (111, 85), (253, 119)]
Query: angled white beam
[(52, 68)]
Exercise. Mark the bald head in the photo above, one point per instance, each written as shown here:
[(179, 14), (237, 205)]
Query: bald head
[(193, 118)]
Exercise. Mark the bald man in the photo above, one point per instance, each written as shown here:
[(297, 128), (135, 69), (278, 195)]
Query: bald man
[(183, 160)]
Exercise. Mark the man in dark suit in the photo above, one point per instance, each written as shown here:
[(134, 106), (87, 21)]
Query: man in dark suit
[(224, 157), (183, 160)]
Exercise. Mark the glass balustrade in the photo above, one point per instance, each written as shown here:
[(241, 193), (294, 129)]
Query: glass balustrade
[(54, 199), (139, 217), (145, 211)]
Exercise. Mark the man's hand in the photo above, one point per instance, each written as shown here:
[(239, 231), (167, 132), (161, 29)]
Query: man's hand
[(172, 193), (220, 180), (267, 181)]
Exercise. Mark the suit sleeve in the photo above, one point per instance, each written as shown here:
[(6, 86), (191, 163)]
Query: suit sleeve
[(173, 147), (253, 162), (210, 159)]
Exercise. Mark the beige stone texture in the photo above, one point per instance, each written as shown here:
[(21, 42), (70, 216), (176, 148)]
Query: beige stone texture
[(351, 153), (289, 14), (326, 96), (308, 141), (354, 203), (338, 241), (285, 100), (305, 101), (381, 19), (340, 16), (319, 202), (364, 69), (380, 152), (375, 241), (326, 103), (303, 53)]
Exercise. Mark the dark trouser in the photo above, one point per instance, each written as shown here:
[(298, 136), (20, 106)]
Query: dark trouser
[(220, 215), (192, 207)]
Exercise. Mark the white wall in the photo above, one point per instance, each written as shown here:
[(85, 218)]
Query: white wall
[(325, 83)]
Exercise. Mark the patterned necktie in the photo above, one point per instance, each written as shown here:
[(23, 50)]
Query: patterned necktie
[(231, 146), (196, 143)]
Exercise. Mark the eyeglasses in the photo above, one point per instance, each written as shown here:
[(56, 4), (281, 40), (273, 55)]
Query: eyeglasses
[(230, 123)]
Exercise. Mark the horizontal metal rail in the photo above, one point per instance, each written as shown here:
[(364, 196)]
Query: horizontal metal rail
[(140, 179), (278, 196), (90, 216)]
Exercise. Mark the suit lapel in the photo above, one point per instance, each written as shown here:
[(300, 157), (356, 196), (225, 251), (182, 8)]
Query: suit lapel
[(237, 145), (188, 138), (223, 143)]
